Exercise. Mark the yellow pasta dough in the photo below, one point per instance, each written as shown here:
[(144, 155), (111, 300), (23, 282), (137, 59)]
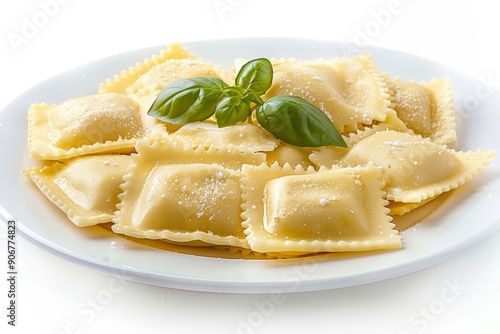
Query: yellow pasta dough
[(120, 83), (94, 119), (183, 203), (426, 108), (144, 81), (184, 194), (416, 168), (327, 156), (245, 137), (289, 154), (102, 123), (85, 188), (168, 151), (302, 211), (351, 91), (149, 85), (400, 208), (238, 187)]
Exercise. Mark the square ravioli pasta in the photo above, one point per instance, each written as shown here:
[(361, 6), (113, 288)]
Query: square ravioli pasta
[(296, 211), (184, 194), (102, 123), (426, 108), (415, 168), (351, 91), (120, 82), (85, 188), (144, 81), (239, 188), (183, 203)]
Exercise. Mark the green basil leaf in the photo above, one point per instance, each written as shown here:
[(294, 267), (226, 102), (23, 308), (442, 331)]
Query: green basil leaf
[(231, 110), (251, 97), (188, 100), (298, 122), (256, 75), (234, 91)]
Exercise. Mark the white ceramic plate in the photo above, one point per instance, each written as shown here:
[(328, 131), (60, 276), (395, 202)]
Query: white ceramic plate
[(466, 216)]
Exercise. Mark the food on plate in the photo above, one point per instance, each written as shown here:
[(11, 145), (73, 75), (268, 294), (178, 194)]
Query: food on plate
[(86, 188), (101, 123), (283, 157)]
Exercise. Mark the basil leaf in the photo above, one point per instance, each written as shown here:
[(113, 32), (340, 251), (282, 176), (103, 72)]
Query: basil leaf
[(251, 97), (231, 110), (298, 122), (188, 100), (233, 91), (256, 75)]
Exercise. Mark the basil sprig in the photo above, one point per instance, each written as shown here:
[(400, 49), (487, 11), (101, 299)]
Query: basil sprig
[(289, 118)]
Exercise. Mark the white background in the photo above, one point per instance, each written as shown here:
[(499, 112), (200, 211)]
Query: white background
[(57, 296)]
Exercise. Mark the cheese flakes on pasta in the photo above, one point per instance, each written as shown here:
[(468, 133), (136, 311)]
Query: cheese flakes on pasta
[(301, 211), (416, 168), (238, 188), (427, 108), (102, 123), (351, 91)]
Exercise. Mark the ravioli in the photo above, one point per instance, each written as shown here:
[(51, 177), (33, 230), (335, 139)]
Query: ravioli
[(144, 81), (184, 194), (416, 168), (238, 187), (85, 188), (94, 119), (182, 203), (307, 212), (149, 85), (351, 91), (427, 108), (120, 83), (102, 123)]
